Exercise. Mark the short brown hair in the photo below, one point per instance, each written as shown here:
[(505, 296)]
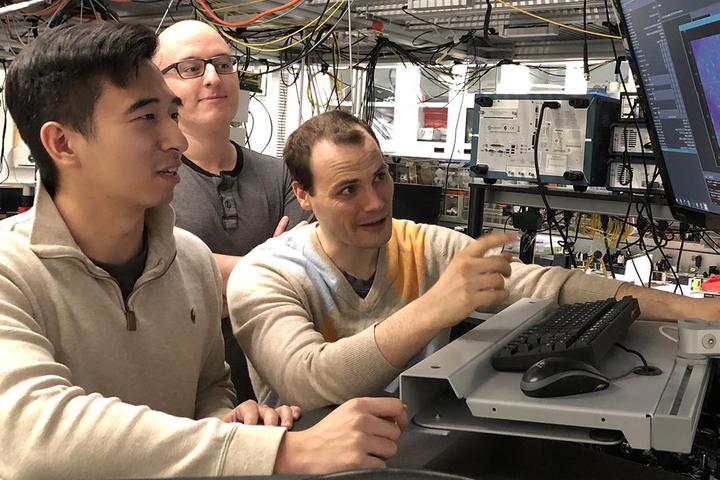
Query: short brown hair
[(336, 126)]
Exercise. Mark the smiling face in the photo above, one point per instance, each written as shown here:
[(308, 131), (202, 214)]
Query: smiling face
[(351, 195), (208, 100), (131, 156)]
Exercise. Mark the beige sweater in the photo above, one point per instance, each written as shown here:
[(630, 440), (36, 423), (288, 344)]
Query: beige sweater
[(310, 337), (93, 387)]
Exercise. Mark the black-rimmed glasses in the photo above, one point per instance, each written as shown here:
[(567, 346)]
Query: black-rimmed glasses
[(195, 67)]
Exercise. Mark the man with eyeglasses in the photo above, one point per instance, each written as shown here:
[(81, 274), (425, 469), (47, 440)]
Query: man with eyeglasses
[(231, 197)]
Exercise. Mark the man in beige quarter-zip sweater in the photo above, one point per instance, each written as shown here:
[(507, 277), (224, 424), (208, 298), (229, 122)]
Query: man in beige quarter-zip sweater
[(111, 358)]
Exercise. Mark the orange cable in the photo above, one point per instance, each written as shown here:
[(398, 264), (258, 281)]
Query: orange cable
[(260, 15)]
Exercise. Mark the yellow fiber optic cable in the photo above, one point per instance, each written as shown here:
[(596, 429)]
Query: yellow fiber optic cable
[(559, 24), (336, 6)]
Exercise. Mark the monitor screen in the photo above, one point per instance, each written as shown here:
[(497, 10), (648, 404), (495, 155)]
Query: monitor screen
[(675, 47), (419, 203)]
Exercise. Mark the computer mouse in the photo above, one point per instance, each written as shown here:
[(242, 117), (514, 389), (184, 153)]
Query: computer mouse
[(560, 376)]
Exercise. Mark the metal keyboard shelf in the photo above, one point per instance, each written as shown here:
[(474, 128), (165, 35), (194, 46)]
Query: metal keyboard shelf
[(457, 389)]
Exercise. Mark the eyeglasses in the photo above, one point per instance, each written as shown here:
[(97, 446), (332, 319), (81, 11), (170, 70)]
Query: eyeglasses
[(195, 67)]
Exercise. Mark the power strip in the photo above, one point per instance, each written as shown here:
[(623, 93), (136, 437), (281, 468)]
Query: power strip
[(698, 338)]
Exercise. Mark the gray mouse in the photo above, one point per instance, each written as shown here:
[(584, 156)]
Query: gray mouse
[(560, 376)]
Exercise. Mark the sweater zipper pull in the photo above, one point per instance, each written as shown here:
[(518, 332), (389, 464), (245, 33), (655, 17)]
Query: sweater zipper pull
[(131, 322)]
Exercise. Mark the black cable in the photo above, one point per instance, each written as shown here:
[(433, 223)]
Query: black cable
[(646, 201), (252, 129), (486, 22), (683, 232), (452, 152), (417, 37), (658, 244), (368, 101), (634, 352), (541, 186), (335, 72), (647, 254), (505, 226), (586, 65), (405, 7), (548, 213), (715, 247), (646, 195), (629, 256), (632, 113), (643, 369), (305, 53), (604, 220), (269, 119), (577, 227)]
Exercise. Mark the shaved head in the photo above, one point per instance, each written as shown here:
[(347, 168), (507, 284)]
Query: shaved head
[(211, 100), (174, 39)]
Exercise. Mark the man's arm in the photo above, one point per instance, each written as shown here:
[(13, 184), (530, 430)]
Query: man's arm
[(476, 279), (51, 425), (272, 323), (215, 392), (473, 278), (659, 305), (276, 332), (359, 434), (53, 428)]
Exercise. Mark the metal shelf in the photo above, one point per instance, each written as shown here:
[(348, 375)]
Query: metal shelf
[(608, 203)]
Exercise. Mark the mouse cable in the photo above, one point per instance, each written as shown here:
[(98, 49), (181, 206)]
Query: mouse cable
[(644, 369), (634, 352), (633, 369)]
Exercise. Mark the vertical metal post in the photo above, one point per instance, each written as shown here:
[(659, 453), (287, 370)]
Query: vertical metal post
[(476, 210)]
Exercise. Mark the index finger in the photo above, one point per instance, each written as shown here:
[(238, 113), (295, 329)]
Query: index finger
[(484, 243)]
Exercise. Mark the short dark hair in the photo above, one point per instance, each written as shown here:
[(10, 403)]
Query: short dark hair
[(60, 77), (336, 126)]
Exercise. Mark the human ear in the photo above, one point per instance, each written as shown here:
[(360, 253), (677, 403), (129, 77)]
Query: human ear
[(59, 142), (302, 195)]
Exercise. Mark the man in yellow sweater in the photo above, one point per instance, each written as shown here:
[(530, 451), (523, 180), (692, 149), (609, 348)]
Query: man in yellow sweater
[(338, 309), (111, 357)]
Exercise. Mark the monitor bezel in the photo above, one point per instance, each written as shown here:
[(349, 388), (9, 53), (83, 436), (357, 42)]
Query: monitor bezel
[(681, 213)]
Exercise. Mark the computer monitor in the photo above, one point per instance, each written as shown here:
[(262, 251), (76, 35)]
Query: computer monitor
[(674, 48), (419, 203)]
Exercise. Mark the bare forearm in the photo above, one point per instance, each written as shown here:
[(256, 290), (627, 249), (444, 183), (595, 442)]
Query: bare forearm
[(666, 306)]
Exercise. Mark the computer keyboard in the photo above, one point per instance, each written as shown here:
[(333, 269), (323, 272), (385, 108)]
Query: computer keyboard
[(583, 331)]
